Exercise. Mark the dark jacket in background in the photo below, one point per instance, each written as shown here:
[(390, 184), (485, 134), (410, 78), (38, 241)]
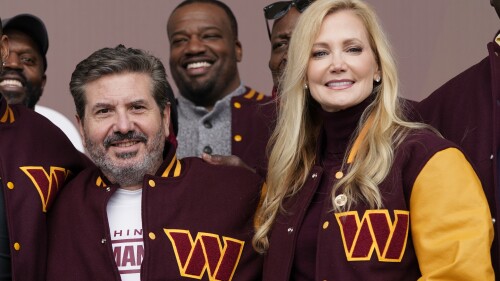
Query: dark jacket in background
[(466, 111)]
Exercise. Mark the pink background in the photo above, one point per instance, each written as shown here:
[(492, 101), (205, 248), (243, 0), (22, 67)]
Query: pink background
[(433, 39)]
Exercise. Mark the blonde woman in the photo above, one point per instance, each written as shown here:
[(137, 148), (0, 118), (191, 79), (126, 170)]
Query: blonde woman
[(355, 192)]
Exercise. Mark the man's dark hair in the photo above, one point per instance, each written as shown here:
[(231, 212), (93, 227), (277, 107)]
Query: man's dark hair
[(223, 6), (108, 61)]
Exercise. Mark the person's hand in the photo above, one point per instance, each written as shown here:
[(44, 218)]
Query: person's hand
[(231, 160)]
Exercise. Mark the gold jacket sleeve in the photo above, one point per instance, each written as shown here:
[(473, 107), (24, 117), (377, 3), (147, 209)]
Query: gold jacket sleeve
[(450, 220)]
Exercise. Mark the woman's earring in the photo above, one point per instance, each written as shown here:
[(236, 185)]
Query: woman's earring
[(377, 78), (306, 87)]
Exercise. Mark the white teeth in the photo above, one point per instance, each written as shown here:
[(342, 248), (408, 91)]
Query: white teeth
[(198, 64), (339, 84), (125, 144), (10, 82)]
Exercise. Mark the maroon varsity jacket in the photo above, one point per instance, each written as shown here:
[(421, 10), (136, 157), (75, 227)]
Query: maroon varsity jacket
[(197, 225), (36, 159), (434, 223)]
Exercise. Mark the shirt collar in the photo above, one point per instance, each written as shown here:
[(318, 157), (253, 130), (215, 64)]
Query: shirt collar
[(238, 91)]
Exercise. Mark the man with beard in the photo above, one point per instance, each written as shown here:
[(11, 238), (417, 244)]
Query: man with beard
[(217, 113), (24, 78), (36, 159), (143, 214)]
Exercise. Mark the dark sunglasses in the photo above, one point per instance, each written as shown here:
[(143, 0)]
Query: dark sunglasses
[(279, 9)]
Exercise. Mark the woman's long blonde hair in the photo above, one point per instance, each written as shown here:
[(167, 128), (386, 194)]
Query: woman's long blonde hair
[(293, 143)]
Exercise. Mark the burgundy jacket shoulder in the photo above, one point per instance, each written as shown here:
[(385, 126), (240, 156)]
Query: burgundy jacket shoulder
[(253, 120)]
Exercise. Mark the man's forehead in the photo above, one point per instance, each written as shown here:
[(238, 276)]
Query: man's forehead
[(121, 87), (16, 35), (200, 13)]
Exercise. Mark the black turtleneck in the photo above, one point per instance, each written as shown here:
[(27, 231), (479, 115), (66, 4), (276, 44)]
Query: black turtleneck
[(337, 131)]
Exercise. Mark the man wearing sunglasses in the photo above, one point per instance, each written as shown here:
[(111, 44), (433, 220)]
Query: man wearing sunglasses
[(285, 15), (217, 113)]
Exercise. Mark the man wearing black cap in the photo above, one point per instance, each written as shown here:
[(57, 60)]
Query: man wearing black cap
[(35, 161), (23, 78)]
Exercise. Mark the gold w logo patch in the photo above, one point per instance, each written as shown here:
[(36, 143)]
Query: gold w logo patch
[(205, 253), (375, 232), (47, 184)]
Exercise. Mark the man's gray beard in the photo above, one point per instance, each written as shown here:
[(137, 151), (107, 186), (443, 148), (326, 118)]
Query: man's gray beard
[(133, 174)]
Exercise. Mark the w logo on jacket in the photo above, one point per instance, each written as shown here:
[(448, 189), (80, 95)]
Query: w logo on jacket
[(46, 183), (205, 253), (374, 232)]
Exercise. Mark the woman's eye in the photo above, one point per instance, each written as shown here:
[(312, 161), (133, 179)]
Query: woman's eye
[(319, 54), (354, 50)]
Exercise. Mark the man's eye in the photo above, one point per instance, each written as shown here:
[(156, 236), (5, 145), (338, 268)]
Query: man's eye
[(176, 41), (138, 107), (28, 60), (280, 45), (211, 36), (102, 111)]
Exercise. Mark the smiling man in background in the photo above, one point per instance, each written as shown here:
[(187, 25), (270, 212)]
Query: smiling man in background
[(217, 113), (23, 79)]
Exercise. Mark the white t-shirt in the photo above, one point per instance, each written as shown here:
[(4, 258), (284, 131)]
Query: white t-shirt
[(125, 226)]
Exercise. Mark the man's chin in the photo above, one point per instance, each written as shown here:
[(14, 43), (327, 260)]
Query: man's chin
[(127, 163), (13, 97)]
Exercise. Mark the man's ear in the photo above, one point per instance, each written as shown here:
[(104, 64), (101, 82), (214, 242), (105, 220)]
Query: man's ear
[(4, 48), (44, 80), (166, 120), (81, 129), (239, 51)]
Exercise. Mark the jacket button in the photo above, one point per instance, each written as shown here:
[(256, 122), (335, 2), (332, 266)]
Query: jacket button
[(17, 246), (207, 149), (10, 185), (108, 189), (237, 105), (340, 200), (339, 175), (326, 224), (207, 124), (103, 241), (290, 230), (315, 175), (238, 138), (152, 183), (493, 220), (491, 157), (152, 236)]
